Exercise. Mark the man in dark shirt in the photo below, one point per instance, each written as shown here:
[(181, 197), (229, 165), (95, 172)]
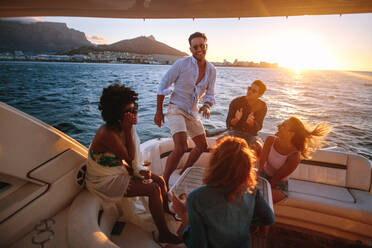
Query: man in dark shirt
[(246, 115)]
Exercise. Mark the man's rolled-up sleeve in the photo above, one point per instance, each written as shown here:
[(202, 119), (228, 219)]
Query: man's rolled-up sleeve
[(169, 78)]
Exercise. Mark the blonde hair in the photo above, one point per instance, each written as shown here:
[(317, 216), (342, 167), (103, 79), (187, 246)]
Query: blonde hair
[(308, 138), (232, 167)]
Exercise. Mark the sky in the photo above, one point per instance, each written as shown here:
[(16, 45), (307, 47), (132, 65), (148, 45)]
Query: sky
[(305, 42)]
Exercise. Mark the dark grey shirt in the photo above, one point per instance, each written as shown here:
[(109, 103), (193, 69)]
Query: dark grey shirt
[(216, 223)]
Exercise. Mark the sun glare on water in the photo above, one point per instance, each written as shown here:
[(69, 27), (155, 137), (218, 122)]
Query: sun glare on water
[(301, 51)]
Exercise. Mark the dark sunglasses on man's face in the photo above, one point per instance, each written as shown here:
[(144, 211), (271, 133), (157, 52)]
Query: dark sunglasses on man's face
[(202, 46)]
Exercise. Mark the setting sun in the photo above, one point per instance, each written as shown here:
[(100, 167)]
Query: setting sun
[(301, 51)]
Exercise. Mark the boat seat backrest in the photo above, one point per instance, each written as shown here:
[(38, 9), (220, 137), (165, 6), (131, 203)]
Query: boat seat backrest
[(323, 167), (335, 168), (359, 173)]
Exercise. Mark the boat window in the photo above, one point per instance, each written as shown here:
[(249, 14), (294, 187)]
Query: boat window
[(4, 186)]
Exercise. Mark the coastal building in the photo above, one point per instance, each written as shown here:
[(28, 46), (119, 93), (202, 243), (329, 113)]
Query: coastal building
[(19, 55), (79, 57), (6, 56)]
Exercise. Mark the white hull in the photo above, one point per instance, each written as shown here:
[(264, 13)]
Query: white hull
[(43, 167)]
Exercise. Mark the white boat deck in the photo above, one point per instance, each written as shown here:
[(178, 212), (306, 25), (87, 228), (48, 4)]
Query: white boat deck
[(130, 236)]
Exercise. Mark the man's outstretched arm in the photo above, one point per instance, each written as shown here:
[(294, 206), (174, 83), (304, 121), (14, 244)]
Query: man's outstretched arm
[(159, 115)]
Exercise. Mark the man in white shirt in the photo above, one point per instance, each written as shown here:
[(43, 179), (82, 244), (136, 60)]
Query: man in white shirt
[(193, 79)]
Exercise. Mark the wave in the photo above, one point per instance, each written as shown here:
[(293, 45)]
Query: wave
[(66, 96)]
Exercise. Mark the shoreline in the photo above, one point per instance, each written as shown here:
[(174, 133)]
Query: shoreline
[(120, 62), (227, 66)]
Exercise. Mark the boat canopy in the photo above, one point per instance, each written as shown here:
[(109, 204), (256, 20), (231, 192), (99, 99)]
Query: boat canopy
[(181, 8)]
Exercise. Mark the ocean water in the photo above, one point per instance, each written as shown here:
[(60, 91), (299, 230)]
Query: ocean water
[(66, 96)]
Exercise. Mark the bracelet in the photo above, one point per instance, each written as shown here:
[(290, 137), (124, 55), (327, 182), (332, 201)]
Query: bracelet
[(206, 105)]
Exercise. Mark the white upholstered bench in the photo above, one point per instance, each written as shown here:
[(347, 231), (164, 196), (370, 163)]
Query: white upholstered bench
[(332, 194)]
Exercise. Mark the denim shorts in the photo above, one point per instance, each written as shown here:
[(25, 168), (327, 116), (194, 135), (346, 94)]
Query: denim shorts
[(281, 185)]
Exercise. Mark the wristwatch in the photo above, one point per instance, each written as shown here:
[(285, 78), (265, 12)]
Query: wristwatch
[(207, 105)]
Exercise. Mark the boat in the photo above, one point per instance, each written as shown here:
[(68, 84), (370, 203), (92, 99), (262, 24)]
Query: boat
[(43, 200), (42, 179)]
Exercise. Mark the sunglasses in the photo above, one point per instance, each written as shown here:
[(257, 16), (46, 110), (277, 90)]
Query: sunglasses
[(132, 110), (254, 91), (202, 46)]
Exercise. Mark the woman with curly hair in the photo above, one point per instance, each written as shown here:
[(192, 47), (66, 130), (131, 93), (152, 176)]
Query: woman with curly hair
[(221, 213), (281, 153), (112, 155)]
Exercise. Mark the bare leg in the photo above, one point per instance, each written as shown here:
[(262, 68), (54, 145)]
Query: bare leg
[(200, 146), (159, 180), (152, 190), (278, 195), (180, 147)]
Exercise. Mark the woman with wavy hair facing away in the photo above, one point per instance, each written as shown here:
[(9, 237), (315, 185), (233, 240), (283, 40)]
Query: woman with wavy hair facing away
[(281, 153), (221, 213)]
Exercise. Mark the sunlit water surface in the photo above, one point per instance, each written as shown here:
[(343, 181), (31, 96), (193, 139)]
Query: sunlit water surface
[(66, 95)]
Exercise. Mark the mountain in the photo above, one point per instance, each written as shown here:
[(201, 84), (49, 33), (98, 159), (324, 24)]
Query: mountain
[(139, 45), (39, 37)]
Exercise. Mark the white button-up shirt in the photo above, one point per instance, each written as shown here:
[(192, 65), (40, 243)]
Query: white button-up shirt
[(186, 94)]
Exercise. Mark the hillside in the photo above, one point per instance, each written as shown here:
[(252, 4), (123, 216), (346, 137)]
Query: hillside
[(139, 45), (39, 37)]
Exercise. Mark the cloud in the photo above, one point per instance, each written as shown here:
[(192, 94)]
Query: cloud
[(23, 19), (97, 39)]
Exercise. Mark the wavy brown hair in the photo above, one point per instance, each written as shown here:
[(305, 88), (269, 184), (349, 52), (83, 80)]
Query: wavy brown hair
[(232, 167), (197, 35), (308, 138)]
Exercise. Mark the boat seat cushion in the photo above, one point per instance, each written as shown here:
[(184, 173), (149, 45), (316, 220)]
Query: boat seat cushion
[(319, 174), (328, 199), (339, 169), (359, 173), (327, 156), (310, 171), (320, 190)]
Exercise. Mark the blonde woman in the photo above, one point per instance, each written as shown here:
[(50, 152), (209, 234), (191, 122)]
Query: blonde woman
[(281, 153)]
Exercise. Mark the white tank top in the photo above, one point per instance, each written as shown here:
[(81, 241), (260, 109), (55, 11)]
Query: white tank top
[(275, 161)]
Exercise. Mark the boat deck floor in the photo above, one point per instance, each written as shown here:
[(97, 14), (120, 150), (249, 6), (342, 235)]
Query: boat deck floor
[(130, 236), (284, 236), (280, 236)]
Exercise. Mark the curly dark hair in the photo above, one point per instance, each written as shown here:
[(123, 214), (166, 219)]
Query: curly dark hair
[(114, 98)]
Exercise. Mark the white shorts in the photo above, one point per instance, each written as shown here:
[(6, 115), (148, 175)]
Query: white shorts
[(179, 121)]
